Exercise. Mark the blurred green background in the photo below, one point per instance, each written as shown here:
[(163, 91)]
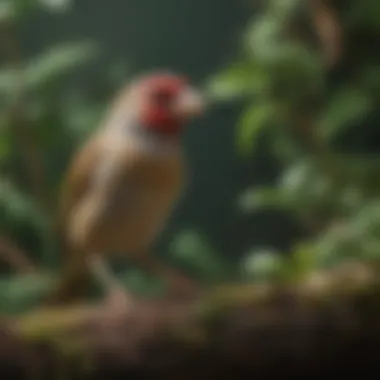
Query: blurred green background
[(283, 165)]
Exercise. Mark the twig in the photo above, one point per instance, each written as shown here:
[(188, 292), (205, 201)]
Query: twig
[(328, 29)]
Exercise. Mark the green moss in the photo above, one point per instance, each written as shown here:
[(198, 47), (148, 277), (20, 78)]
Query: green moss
[(45, 324)]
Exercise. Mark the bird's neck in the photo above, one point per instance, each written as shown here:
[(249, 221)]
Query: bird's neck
[(148, 136), (153, 141)]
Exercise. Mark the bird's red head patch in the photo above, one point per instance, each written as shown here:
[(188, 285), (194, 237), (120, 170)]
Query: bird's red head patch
[(167, 102)]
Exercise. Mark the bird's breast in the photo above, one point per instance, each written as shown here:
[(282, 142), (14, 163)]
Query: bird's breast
[(138, 209)]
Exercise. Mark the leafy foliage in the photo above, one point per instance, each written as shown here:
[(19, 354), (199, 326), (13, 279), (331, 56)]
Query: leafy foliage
[(308, 109), (193, 250), (305, 106), (42, 119)]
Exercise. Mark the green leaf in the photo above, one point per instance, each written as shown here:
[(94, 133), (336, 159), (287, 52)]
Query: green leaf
[(261, 198), (15, 10), (141, 283), (253, 121), (283, 146), (297, 177), (8, 78), (194, 250), (20, 292), (8, 11), (262, 264), (267, 44), (56, 5), (237, 81), (347, 107), (57, 62), (25, 7), (351, 199), (302, 261), (284, 9), (367, 221), (263, 38), (307, 189), (340, 242), (297, 72), (18, 207), (370, 249)]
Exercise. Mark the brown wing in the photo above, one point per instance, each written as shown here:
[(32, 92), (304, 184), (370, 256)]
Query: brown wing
[(127, 200), (74, 276), (113, 201), (78, 177)]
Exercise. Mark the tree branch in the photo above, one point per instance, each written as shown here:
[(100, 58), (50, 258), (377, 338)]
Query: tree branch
[(328, 30), (327, 323)]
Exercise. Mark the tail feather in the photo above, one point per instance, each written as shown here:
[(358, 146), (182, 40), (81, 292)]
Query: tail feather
[(74, 277), (73, 281)]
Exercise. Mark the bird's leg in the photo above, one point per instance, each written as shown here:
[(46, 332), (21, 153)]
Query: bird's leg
[(178, 284), (101, 271), (72, 283)]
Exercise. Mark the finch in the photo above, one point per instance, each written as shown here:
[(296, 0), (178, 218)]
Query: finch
[(123, 183)]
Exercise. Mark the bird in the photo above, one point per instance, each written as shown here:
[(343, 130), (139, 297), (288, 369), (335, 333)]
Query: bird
[(122, 185)]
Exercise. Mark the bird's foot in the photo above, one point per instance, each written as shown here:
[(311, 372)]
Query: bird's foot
[(118, 298)]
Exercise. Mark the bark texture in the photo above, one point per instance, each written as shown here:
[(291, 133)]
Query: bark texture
[(325, 325)]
